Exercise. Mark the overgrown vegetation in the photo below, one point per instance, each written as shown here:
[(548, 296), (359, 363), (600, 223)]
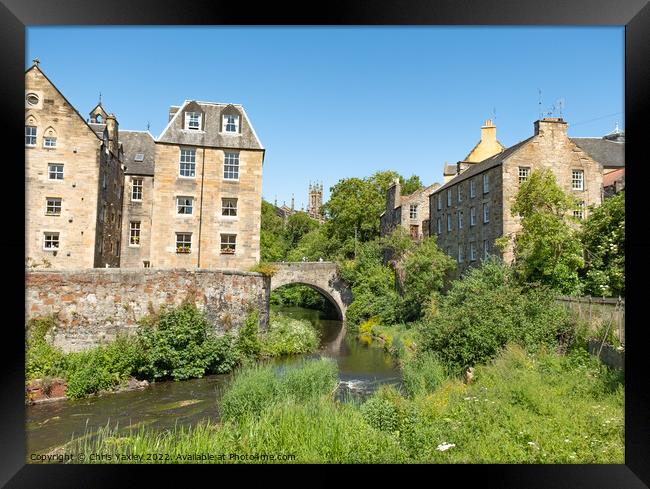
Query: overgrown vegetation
[(288, 336), (521, 408)]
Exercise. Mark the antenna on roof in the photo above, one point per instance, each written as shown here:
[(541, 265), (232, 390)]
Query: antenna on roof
[(494, 114), (560, 105), (541, 114), (148, 125), (100, 98)]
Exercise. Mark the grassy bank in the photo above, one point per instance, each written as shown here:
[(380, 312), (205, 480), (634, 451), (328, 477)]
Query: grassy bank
[(175, 344), (521, 408)]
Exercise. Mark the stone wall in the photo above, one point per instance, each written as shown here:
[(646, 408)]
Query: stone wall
[(135, 254), (94, 305)]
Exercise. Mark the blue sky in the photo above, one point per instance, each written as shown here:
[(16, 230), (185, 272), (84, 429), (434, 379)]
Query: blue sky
[(330, 103)]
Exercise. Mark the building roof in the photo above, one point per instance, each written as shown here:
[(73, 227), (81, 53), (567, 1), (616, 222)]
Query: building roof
[(450, 169), (211, 135), (138, 143), (98, 128), (610, 154), (417, 194), (611, 177), (477, 168)]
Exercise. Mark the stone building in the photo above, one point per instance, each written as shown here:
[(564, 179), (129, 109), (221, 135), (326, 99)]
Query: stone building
[(609, 151), (139, 159), (73, 181), (315, 206), (207, 192), (487, 147), (409, 211), (472, 210)]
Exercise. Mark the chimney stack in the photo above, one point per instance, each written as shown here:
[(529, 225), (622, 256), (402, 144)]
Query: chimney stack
[(172, 112), (551, 126), (489, 132), (113, 135)]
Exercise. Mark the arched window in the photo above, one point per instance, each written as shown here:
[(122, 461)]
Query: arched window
[(49, 138)]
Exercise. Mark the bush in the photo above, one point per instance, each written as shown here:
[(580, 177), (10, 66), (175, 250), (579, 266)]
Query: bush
[(180, 344), (486, 309), (41, 358), (248, 343), (266, 269), (287, 336), (380, 414)]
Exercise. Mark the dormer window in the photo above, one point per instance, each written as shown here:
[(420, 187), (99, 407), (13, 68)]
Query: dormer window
[(231, 123), (139, 157), (193, 121)]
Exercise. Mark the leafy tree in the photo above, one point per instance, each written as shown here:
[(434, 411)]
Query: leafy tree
[(603, 236), (273, 245), (425, 271), (313, 245), (548, 248), (410, 185), (297, 226)]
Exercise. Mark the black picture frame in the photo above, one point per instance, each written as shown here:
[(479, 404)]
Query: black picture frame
[(15, 15)]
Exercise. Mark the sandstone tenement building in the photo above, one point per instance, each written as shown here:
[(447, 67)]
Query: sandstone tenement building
[(74, 177), (409, 211), (97, 197), (472, 210)]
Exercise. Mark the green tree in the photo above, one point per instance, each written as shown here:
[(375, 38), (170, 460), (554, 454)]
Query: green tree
[(410, 185), (547, 248), (297, 226), (603, 236), (273, 244), (313, 245)]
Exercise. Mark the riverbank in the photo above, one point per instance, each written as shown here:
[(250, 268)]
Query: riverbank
[(520, 408)]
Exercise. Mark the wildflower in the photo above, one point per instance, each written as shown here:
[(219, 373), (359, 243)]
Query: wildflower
[(445, 446), (566, 440)]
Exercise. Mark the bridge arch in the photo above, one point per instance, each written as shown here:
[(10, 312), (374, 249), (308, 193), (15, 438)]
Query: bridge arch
[(320, 276)]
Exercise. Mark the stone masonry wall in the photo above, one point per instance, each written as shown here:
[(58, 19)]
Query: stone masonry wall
[(94, 305)]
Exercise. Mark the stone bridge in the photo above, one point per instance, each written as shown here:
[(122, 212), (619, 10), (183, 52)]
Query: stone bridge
[(321, 276)]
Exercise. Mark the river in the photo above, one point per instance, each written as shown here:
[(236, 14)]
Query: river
[(163, 405)]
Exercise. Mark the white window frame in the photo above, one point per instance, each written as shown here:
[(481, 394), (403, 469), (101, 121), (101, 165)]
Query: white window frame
[(183, 244), (486, 247), (51, 234), (449, 223), (50, 171), (187, 157), (32, 137), (575, 180), (227, 124), (448, 197), (193, 117), (228, 244), (181, 203), (524, 173), (439, 226), (135, 233), (460, 219), (472, 188), (460, 193), (472, 216), (472, 251), (229, 166), (413, 211), (461, 258), (439, 201), (54, 201), (50, 139), (486, 213), (227, 209), (579, 211), (486, 183), (137, 185)]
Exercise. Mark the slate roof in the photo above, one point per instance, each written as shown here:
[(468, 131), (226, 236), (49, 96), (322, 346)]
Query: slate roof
[(477, 168), (610, 154), (98, 128), (134, 142), (210, 135), (450, 169)]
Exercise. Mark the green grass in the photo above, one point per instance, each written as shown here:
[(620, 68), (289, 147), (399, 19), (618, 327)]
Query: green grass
[(522, 408), (287, 336)]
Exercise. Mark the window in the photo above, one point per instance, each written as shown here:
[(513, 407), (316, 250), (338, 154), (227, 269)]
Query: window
[(136, 189), (50, 241), (472, 188), (32, 99), (117, 248), (55, 171), (449, 198), (30, 135), (184, 205), (193, 121), (438, 226), (486, 249), (102, 215), (183, 242), (53, 206), (472, 251), (577, 179), (472, 216), (524, 173), (460, 253), (460, 194), (460, 219), (138, 157), (228, 243), (229, 207), (486, 183), (104, 177), (187, 162), (579, 212), (439, 201), (49, 142), (134, 233), (231, 123), (448, 222), (231, 166), (486, 213), (413, 211)]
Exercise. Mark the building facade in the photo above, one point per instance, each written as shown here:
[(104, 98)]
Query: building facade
[(472, 210), (207, 192), (315, 206), (411, 212), (73, 181)]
